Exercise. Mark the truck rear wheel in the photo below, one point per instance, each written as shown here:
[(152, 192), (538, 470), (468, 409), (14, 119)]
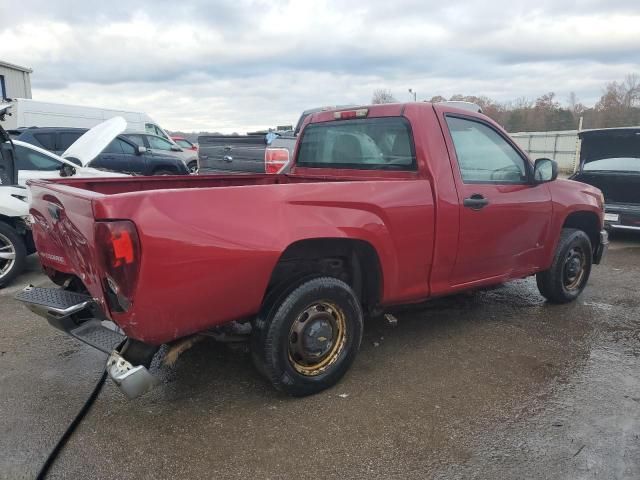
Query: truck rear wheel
[(570, 270), (13, 254), (308, 338)]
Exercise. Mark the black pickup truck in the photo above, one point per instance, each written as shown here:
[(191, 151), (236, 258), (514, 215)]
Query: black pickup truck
[(610, 160), (231, 153)]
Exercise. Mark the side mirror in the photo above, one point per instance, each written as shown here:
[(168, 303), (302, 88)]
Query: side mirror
[(141, 150), (545, 170), (175, 148), (67, 170)]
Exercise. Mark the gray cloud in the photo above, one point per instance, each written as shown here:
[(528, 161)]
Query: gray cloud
[(245, 64)]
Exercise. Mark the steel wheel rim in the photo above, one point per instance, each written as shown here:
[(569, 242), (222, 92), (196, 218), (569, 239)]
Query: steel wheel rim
[(317, 338), (573, 270), (7, 256)]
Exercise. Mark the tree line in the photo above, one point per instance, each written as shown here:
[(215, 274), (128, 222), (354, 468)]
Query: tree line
[(619, 106)]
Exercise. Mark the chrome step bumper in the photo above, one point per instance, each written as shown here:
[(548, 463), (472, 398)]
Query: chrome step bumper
[(54, 303), (58, 306)]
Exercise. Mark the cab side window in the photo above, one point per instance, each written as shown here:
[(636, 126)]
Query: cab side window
[(484, 156)]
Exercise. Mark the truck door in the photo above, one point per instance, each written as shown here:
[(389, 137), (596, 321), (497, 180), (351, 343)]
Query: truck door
[(504, 218)]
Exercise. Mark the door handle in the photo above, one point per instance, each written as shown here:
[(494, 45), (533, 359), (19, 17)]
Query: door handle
[(228, 158), (475, 202)]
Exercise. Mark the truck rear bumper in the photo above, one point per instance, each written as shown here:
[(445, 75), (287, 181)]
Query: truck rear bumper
[(60, 308), (622, 217)]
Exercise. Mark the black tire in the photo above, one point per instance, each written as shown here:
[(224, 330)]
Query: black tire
[(559, 284), (11, 240), (331, 301), (193, 167)]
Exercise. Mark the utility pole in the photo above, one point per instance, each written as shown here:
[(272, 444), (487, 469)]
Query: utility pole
[(415, 95)]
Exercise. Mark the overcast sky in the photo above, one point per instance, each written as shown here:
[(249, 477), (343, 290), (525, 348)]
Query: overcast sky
[(243, 65)]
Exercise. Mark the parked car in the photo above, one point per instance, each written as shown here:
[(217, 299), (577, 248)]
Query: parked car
[(185, 144), (160, 146), (384, 205), (121, 155), (19, 162), (610, 160)]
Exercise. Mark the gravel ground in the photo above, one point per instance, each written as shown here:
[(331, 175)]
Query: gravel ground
[(494, 384)]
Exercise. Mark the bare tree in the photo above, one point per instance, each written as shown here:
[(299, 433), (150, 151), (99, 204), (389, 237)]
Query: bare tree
[(631, 87), (382, 95)]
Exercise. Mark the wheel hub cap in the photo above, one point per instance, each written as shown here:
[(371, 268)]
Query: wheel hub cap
[(317, 338), (7, 256), (574, 268)]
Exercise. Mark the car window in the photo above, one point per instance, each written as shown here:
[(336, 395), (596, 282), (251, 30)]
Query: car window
[(372, 143), (126, 147), (184, 143), (66, 139), (28, 159), (46, 140), (137, 139), (154, 130), (158, 143), (114, 147), (119, 146), (484, 156)]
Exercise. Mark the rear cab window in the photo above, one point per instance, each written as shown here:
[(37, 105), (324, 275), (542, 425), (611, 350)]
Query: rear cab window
[(379, 143)]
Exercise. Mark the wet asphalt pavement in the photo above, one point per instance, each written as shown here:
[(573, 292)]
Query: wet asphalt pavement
[(495, 384)]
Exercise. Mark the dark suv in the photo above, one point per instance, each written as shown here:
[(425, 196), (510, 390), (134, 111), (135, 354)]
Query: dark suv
[(121, 155)]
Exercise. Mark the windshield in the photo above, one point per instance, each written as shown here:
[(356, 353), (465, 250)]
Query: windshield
[(616, 164)]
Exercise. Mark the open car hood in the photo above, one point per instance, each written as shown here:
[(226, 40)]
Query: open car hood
[(94, 141)]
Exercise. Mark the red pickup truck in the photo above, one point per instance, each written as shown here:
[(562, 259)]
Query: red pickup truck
[(384, 205)]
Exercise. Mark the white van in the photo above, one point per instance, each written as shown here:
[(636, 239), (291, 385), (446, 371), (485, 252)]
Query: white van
[(26, 113)]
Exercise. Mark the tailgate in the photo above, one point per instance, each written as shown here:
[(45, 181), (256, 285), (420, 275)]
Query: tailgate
[(63, 231), (232, 154)]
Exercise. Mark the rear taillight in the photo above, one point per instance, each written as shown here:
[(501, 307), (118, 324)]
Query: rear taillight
[(275, 159), (119, 246)]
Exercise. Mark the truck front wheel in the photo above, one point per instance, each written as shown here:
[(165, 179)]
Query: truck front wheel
[(570, 270), (13, 254), (307, 340)]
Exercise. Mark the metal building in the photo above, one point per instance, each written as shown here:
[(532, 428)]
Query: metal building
[(15, 81)]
